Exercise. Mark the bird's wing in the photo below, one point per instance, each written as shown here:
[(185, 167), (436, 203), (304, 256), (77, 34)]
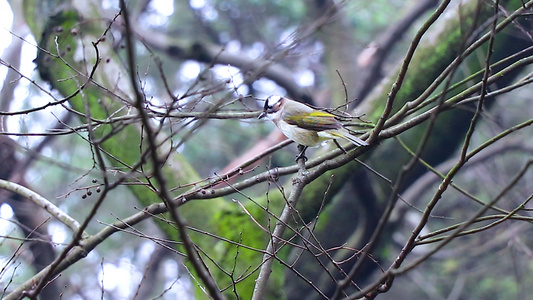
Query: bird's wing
[(315, 120)]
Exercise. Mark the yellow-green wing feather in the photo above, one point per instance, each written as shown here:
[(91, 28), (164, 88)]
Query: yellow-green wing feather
[(315, 120)]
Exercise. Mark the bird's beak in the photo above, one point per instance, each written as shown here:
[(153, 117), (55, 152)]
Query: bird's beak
[(262, 115)]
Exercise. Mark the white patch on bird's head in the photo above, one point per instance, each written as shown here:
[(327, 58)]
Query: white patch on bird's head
[(271, 100), (272, 107), (273, 104)]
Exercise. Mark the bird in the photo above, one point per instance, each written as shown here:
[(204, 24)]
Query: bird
[(305, 125)]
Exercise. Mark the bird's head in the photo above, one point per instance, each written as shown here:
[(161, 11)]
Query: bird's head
[(273, 104)]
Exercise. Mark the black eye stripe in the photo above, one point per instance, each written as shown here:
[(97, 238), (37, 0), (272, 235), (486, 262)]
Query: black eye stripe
[(270, 107), (266, 106)]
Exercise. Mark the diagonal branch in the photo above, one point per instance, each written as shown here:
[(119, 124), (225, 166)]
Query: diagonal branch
[(273, 246)]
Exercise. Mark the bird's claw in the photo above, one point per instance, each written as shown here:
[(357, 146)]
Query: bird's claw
[(301, 155)]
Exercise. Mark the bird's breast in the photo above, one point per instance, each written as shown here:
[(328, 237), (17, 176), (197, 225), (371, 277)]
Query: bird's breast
[(301, 136)]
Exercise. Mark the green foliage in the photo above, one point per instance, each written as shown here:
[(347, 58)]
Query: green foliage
[(369, 18), (233, 224)]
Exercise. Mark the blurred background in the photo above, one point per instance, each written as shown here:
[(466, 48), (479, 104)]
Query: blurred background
[(203, 69)]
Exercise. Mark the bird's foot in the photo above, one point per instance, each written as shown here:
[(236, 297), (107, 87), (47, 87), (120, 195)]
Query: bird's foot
[(301, 155)]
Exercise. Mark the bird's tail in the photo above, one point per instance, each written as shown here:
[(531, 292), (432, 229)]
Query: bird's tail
[(344, 134), (355, 140)]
